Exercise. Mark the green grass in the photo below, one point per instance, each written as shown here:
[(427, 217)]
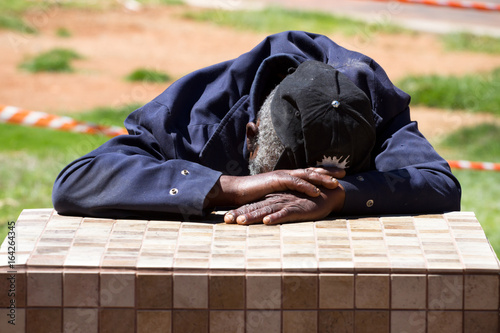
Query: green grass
[(31, 158), (55, 60), (480, 190), (148, 75), (276, 19), (471, 42), (15, 23), (18, 6), (63, 32), (473, 92)]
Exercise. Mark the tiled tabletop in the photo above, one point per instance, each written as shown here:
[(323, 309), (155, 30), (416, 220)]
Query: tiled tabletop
[(452, 242), (430, 273)]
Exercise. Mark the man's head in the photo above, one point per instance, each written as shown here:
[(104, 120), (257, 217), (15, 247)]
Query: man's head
[(319, 117), (264, 145)]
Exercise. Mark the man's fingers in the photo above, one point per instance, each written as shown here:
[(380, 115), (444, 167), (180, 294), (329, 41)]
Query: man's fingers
[(299, 184), (249, 214), (229, 218), (285, 214), (318, 176), (331, 171)]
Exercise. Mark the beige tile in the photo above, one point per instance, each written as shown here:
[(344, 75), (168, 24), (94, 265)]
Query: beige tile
[(227, 291), (372, 291), (44, 289), (227, 262), (300, 262), (371, 321), (154, 321), (227, 321), (408, 321), (263, 321), (154, 291), (191, 263), (481, 292), (480, 321), (117, 289), (300, 321), (336, 291), (116, 320), (46, 260), (336, 321), (80, 320), (444, 321), (300, 291), (445, 292), (408, 291), (263, 291), (190, 321), (263, 264), (190, 291), (160, 260), (81, 289)]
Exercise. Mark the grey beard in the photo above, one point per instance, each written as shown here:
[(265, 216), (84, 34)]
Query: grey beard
[(269, 145)]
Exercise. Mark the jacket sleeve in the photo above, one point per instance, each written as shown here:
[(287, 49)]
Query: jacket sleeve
[(134, 176), (409, 177)]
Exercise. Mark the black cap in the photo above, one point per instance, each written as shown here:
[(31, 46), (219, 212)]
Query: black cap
[(322, 118)]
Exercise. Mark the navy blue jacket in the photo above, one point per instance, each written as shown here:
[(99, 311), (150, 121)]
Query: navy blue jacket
[(180, 143)]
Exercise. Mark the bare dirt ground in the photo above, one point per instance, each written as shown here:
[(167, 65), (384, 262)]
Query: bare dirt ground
[(114, 42)]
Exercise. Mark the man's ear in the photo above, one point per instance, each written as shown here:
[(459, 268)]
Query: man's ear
[(252, 130)]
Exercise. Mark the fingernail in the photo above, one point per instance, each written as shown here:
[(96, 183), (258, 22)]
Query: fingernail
[(266, 220), (229, 218), (241, 219), (334, 179)]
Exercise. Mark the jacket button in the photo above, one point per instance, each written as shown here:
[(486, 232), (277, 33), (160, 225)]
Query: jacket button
[(184, 172), (174, 191), (369, 203)]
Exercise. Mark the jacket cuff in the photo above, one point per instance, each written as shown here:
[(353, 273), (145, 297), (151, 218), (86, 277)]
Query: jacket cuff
[(360, 195)]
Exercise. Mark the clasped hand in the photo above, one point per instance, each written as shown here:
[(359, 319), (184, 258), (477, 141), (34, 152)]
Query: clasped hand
[(280, 196)]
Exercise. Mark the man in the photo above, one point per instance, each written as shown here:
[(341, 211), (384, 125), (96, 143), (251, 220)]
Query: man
[(189, 149)]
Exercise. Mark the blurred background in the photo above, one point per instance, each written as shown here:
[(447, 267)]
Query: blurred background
[(96, 61)]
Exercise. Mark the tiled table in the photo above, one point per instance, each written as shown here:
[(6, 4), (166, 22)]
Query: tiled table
[(390, 274)]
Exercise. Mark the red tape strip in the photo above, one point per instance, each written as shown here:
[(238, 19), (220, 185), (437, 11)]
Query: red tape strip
[(486, 6), (15, 115)]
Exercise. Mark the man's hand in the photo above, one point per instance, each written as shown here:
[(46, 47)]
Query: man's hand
[(237, 191), (278, 208)]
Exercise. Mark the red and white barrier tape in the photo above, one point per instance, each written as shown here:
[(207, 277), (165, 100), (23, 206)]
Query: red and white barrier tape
[(468, 165), (488, 6), (15, 115)]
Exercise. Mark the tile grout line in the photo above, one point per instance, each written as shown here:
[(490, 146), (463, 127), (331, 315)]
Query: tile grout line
[(280, 227), (384, 237), (245, 270), (63, 271), (174, 259), (209, 276), (457, 249), (315, 233), (354, 273), (142, 246), (136, 280), (417, 233)]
